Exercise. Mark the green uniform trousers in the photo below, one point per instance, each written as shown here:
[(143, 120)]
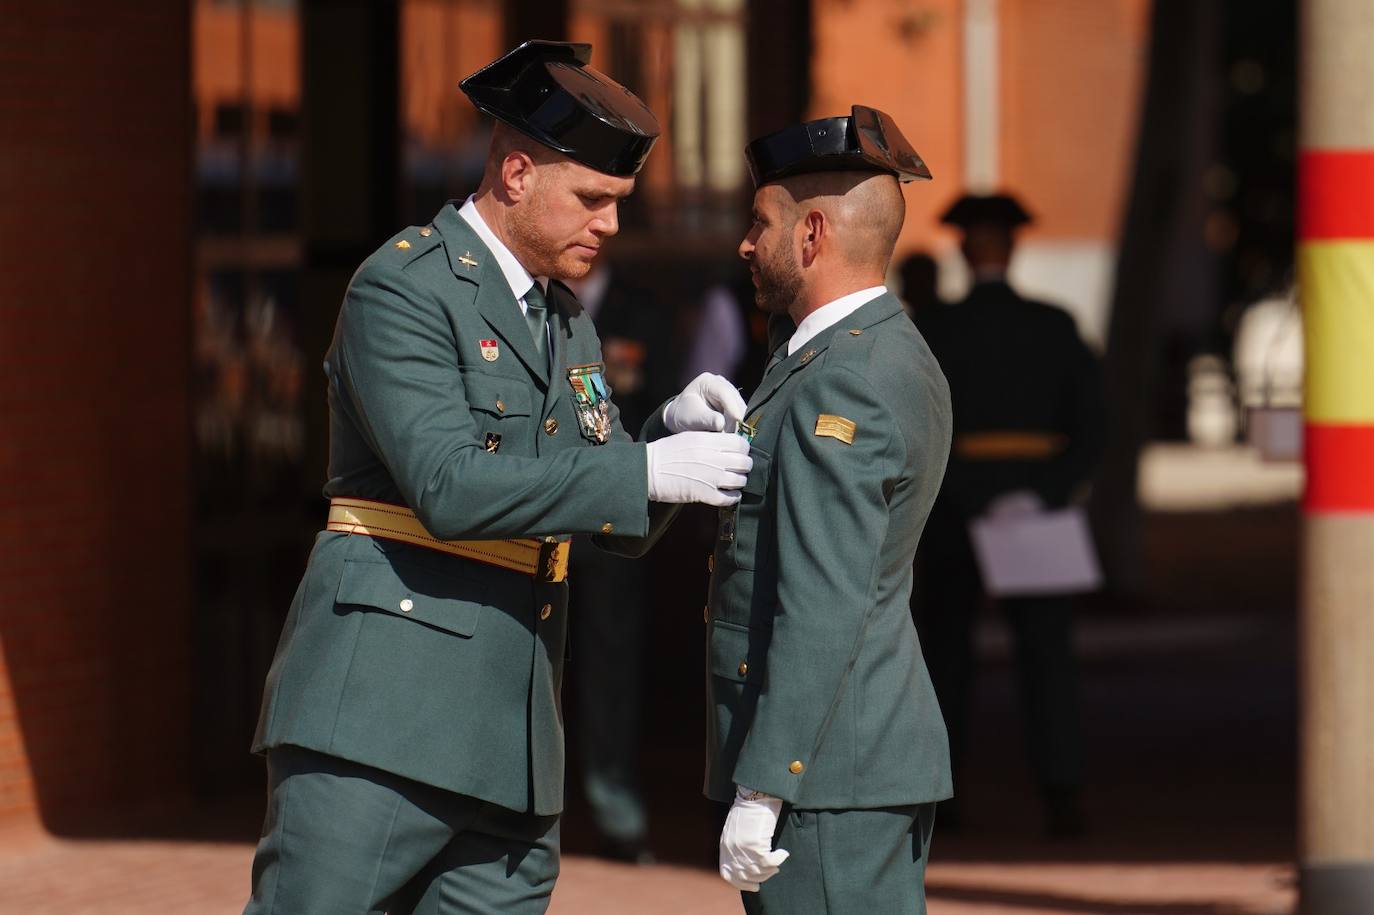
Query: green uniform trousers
[(347, 839), (849, 862)]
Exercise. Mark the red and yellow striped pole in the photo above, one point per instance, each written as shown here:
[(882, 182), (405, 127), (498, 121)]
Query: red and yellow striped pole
[(1336, 285)]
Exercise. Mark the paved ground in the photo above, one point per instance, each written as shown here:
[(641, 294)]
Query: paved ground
[(136, 877), (1189, 704)]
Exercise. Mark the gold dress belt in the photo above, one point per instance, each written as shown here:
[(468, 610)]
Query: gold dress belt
[(543, 560), (1011, 445)]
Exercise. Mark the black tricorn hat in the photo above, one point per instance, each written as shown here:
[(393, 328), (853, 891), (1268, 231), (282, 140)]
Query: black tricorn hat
[(866, 140), (545, 90), (981, 209)]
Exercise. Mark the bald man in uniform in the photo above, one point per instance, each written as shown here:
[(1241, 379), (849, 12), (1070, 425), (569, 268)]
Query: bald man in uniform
[(824, 733)]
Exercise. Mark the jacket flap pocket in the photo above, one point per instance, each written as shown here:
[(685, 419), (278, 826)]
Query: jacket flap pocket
[(448, 602), (737, 652), (498, 395), (757, 481)]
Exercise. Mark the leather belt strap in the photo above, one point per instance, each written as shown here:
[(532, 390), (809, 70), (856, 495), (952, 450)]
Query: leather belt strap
[(543, 560), (1008, 445)]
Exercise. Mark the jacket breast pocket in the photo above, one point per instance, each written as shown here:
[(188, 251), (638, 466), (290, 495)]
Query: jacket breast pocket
[(434, 598), (501, 407), (743, 526), (498, 396)]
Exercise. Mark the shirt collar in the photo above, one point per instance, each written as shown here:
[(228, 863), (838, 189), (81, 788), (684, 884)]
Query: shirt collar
[(516, 275), (831, 313)]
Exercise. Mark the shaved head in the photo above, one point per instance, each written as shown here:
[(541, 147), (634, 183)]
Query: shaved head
[(819, 236), (865, 210), (506, 140)]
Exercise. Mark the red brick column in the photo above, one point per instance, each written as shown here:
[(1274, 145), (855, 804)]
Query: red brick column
[(94, 410)]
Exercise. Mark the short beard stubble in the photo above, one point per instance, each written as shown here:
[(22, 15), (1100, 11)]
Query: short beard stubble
[(543, 255), (780, 282)]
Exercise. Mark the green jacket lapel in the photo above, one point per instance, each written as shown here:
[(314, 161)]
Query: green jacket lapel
[(471, 260), (865, 316)]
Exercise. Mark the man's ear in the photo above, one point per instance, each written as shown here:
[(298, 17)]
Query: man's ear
[(517, 175), (813, 227)]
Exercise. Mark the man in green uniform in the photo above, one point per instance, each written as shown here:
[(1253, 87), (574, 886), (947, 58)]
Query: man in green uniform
[(823, 729), (411, 720), (1028, 431)]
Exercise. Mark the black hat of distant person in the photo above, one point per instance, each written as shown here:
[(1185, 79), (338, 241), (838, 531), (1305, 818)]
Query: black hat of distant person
[(545, 90), (1001, 210), (865, 140)]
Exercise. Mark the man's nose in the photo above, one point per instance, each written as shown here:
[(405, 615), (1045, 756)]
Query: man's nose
[(746, 248), (607, 223)]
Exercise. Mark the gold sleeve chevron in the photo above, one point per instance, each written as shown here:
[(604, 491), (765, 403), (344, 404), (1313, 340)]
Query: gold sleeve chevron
[(830, 426)]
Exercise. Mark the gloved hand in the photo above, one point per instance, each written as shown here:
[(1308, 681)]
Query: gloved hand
[(706, 467), (1018, 503), (747, 856), (709, 403)]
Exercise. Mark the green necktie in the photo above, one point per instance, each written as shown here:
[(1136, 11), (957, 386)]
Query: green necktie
[(537, 317)]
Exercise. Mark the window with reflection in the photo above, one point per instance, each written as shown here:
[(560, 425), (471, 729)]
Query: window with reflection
[(249, 427), (256, 503), (685, 58)]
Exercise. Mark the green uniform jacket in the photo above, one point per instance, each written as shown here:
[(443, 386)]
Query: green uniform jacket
[(817, 691), (460, 690)]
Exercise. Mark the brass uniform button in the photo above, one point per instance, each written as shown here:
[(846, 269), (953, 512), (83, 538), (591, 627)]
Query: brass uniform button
[(426, 232), (711, 563), (551, 426), (796, 767), (403, 244), (855, 333), (500, 406), (407, 605), (545, 611), (743, 668), (706, 614), (607, 528)]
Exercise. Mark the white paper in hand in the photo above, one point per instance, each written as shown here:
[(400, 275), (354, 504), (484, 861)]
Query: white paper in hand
[(1041, 553)]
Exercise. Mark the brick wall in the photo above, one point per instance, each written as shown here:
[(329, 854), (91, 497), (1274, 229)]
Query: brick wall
[(94, 431)]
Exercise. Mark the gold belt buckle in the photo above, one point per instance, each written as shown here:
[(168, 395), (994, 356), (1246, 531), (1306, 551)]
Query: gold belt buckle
[(548, 561)]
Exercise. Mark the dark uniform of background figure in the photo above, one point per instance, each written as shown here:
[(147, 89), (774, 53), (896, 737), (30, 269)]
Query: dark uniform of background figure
[(919, 276), (1028, 415), (609, 594)]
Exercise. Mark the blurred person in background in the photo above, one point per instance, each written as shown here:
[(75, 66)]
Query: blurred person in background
[(1028, 433), (720, 339), (609, 594), (411, 718), (823, 731), (919, 275)]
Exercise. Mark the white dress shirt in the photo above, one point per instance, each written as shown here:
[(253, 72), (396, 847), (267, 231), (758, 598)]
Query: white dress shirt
[(831, 313), (515, 273)]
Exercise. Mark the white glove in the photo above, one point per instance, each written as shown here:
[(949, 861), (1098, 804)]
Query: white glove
[(747, 856), (1015, 504), (709, 403), (706, 467)]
